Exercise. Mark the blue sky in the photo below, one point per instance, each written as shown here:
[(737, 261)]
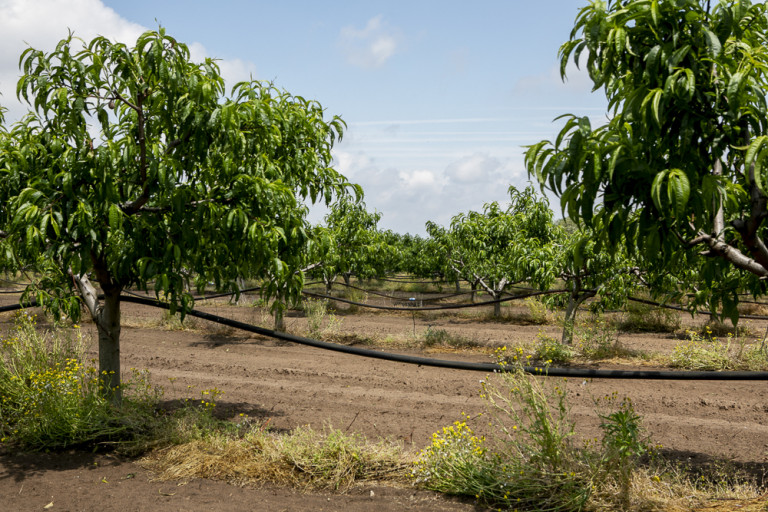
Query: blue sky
[(439, 97)]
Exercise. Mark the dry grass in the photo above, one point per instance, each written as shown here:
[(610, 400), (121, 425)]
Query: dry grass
[(664, 486), (303, 458)]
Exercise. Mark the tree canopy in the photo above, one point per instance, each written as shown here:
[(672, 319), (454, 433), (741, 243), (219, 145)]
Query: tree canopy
[(498, 247), (354, 244), (136, 169), (681, 164)]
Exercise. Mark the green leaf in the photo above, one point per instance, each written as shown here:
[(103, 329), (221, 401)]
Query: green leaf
[(713, 42), (678, 191), (733, 87), (114, 217), (656, 189)]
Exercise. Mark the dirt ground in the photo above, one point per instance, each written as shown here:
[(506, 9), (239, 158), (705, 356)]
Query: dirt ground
[(291, 385)]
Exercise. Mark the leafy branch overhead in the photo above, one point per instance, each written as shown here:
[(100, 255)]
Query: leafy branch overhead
[(681, 163)]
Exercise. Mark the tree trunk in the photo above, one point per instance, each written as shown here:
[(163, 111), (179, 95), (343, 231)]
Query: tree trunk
[(279, 320), (473, 295), (347, 277), (458, 286), (328, 283), (575, 300), (496, 306), (106, 316), (108, 326), (570, 317), (241, 286)]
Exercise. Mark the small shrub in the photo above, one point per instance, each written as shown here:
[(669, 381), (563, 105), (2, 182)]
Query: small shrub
[(715, 329), (320, 324), (623, 444), (441, 337), (751, 357), (548, 350), (641, 317), (600, 340), (529, 466), (355, 295), (696, 353), (50, 398), (530, 462), (537, 311)]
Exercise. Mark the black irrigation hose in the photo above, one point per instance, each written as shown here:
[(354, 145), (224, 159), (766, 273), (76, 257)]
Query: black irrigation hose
[(403, 281), (680, 308), (432, 308), (462, 365), (442, 363), (13, 307), (393, 297)]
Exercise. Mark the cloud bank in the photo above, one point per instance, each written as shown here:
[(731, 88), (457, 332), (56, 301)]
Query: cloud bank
[(371, 46)]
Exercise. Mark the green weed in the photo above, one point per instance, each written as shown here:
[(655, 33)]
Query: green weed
[(441, 337), (641, 317), (52, 399)]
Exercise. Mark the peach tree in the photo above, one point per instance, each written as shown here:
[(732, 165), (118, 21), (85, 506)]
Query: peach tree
[(135, 168), (501, 247), (680, 166)]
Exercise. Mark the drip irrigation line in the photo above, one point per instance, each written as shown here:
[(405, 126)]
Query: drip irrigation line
[(443, 363), (393, 297), (680, 308), (14, 282), (9, 292), (403, 281), (463, 365), (205, 297), (432, 308), (228, 294), (13, 307)]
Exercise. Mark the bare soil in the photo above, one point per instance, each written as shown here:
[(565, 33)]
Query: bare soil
[(290, 385)]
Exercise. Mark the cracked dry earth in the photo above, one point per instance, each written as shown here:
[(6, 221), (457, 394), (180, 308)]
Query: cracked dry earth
[(291, 385)]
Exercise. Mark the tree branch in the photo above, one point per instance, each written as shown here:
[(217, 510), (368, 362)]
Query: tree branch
[(88, 293), (161, 209), (120, 97), (748, 227), (134, 206), (718, 223), (730, 254)]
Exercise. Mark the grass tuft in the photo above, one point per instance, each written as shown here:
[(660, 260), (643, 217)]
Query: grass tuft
[(303, 458)]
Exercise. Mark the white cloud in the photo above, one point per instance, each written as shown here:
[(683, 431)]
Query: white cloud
[(370, 47), (41, 24), (474, 168), (351, 163), (418, 179), (232, 70), (577, 81)]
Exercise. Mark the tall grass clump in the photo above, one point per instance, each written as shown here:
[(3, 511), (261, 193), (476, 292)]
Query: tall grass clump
[(441, 337), (529, 461), (707, 352), (319, 322), (50, 398), (642, 317)]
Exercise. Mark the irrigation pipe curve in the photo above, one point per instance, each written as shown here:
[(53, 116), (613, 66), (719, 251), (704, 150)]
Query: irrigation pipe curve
[(584, 373), (431, 308)]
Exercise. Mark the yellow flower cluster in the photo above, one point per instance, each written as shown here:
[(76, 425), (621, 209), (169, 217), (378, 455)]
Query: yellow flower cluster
[(515, 356), (455, 444)]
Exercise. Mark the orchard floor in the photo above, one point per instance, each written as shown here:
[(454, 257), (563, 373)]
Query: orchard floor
[(288, 385)]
